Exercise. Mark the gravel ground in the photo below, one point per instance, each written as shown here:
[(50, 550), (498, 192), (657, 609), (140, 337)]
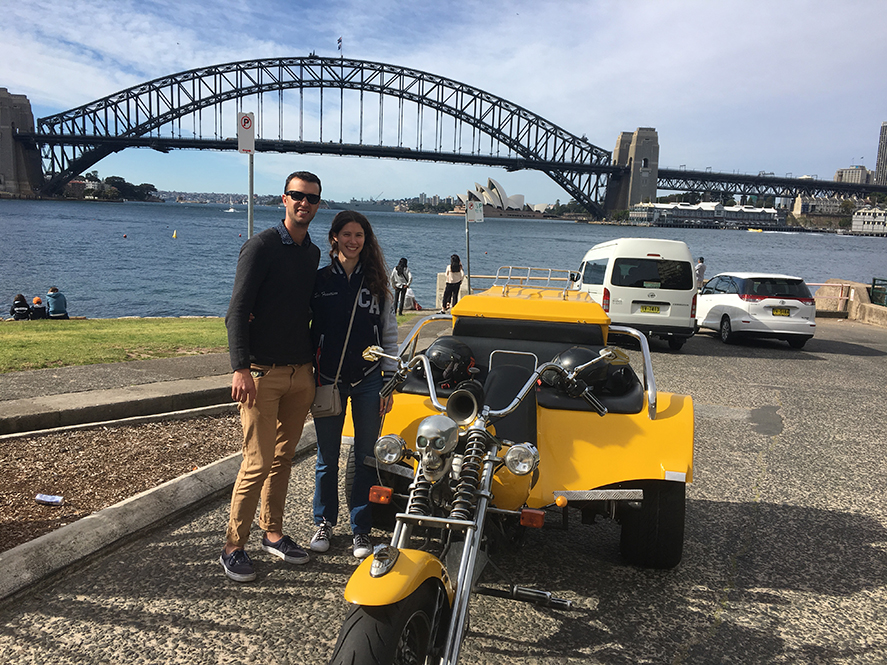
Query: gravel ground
[(96, 468)]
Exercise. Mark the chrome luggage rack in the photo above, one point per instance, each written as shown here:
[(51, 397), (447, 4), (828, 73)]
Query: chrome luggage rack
[(537, 278)]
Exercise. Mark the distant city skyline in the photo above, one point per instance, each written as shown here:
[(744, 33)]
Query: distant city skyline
[(710, 77)]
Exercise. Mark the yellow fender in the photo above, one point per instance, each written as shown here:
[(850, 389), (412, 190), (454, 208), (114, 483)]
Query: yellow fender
[(412, 568)]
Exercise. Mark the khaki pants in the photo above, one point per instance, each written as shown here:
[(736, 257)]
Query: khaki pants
[(271, 430)]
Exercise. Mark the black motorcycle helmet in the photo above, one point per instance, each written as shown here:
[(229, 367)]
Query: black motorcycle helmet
[(450, 361), (572, 358)]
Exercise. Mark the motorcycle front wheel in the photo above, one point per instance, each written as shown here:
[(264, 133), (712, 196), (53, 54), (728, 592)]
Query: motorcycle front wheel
[(398, 634)]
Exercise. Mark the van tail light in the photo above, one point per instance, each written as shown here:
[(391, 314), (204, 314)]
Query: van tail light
[(606, 300), (693, 307)]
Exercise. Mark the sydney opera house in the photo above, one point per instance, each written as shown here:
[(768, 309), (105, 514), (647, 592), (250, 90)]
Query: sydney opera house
[(497, 203)]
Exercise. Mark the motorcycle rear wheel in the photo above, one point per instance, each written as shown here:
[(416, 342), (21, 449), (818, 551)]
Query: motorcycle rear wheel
[(398, 634), (653, 532)]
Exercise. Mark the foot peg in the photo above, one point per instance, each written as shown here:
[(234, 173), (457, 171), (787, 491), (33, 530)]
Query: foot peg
[(527, 595)]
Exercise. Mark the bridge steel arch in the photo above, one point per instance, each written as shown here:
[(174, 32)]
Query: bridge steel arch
[(145, 114)]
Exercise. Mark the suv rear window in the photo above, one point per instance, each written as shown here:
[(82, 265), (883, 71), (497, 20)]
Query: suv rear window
[(775, 287), (653, 274)]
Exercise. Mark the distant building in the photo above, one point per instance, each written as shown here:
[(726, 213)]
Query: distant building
[(881, 165), (497, 203), (821, 205), (858, 175), (704, 214), (870, 221)]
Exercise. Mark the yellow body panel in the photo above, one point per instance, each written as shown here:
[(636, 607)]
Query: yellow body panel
[(510, 491), (615, 448), (534, 304), (410, 570)]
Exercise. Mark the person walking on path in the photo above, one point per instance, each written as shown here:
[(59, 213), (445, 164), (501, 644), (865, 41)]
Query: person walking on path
[(20, 310), (38, 309), (699, 271), (455, 275), (270, 347), (352, 309), (56, 304), (400, 282)]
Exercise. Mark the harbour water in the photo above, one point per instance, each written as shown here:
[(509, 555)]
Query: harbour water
[(121, 259)]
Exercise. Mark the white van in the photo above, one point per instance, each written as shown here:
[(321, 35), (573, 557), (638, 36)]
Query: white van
[(644, 283)]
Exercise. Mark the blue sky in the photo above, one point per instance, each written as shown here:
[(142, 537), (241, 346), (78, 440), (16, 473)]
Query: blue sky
[(783, 86)]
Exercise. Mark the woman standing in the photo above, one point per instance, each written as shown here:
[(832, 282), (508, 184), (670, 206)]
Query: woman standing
[(400, 282), (454, 283), (354, 284)]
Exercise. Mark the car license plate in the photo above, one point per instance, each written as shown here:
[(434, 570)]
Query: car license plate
[(780, 311), (650, 309)]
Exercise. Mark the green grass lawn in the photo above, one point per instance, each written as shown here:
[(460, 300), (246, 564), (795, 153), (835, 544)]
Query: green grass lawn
[(38, 344)]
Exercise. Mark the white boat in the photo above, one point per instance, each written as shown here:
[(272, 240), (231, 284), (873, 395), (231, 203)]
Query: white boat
[(231, 206)]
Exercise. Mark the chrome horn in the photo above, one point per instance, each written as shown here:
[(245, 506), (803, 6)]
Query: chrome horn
[(465, 403)]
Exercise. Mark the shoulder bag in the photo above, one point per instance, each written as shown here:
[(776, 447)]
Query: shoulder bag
[(327, 401)]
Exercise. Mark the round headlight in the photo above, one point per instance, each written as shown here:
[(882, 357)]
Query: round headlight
[(522, 459), (389, 449)]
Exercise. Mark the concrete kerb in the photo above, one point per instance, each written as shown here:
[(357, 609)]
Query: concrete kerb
[(31, 562)]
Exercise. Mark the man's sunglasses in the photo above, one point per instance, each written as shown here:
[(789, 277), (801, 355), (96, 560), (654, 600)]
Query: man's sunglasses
[(295, 195)]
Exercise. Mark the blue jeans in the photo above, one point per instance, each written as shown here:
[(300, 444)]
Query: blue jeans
[(366, 419)]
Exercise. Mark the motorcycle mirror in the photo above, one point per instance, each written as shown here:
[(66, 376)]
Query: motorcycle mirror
[(615, 355), (372, 353)]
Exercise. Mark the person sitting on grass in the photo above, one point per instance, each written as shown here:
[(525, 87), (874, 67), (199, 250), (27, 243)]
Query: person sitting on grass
[(20, 311), (57, 304), (38, 309)]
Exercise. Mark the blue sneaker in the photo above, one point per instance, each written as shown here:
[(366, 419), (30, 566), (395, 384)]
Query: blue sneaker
[(285, 549), (238, 566)]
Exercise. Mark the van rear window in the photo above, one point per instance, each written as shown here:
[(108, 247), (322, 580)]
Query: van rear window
[(653, 274)]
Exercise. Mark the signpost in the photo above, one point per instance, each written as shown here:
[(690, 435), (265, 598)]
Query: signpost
[(246, 142), (474, 212)]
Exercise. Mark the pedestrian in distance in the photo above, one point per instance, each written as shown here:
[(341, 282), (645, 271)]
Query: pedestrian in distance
[(56, 304), (269, 341), (38, 309), (699, 271), (20, 310), (401, 278), (352, 310), (454, 278)]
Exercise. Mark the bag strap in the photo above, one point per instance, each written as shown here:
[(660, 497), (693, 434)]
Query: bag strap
[(348, 334)]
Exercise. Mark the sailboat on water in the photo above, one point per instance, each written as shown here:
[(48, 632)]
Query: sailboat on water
[(230, 205)]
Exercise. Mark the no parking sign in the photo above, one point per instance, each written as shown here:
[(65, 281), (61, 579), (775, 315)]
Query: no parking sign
[(246, 133)]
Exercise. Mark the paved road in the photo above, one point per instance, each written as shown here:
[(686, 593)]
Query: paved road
[(785, 558)]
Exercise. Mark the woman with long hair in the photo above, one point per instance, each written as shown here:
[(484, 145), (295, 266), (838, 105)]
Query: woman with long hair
[(400, 282), (352, 309), (455, 275)]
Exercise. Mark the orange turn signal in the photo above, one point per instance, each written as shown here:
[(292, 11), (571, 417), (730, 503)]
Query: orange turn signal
[(561, 501), (532, 518), (379, 494)]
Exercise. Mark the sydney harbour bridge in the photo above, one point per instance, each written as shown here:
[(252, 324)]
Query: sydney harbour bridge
[(317, 105)]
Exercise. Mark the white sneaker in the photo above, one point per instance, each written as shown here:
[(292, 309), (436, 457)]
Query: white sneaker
[(320, 541), (362, 545)]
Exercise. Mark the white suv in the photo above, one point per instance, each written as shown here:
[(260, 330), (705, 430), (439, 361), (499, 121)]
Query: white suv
[(757, 304)]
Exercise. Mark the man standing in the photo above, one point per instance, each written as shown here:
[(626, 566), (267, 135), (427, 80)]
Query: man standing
[(700, 273), (271, 354)]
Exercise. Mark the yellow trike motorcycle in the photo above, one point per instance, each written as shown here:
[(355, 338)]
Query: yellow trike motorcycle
[(524, 411)]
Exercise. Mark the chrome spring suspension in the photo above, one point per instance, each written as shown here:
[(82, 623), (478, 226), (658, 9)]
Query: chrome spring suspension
[(420, 497), (472, 462)]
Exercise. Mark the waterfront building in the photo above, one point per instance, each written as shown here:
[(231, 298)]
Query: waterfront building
[(705, 214), (858, 175), (821, 205), (496, 201), (881, 165), (870, 221)]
